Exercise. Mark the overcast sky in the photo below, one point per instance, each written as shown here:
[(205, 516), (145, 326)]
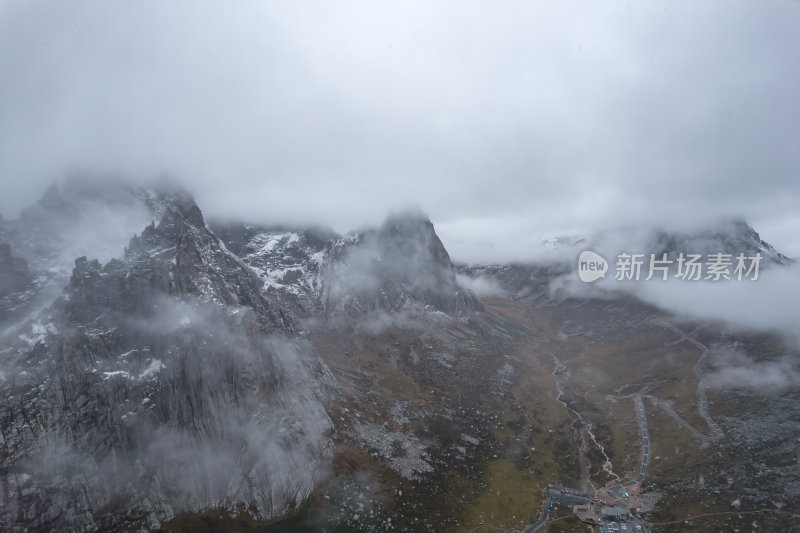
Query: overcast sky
[(504, 121)]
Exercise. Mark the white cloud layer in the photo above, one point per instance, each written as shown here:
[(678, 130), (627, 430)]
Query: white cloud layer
[(769, 303), (505, 122)]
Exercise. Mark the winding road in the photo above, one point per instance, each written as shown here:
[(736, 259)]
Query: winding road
[(638, 399), (614, 491)]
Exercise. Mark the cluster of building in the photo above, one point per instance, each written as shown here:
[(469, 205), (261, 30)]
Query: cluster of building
[(610, 519)]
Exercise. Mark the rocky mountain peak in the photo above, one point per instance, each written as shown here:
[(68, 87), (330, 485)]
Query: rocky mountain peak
[(180, 216), (401, 265), (173, 345), (412, 235), (731, 236), (52, 199)]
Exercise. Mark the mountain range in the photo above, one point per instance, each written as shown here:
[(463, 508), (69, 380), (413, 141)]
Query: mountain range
[(158, 369)]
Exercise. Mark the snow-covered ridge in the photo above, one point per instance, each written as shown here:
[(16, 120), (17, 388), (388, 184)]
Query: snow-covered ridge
[(288, 261), (399, 266)]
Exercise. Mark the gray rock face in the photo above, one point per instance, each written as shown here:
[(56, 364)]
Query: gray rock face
[(290, 262), (17, 285), (78, 217), (162, 382), (14, 273), (316, 272), (403, 264)]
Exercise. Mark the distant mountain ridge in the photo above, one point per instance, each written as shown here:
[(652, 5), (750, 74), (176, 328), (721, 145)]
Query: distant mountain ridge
[(529, 281)]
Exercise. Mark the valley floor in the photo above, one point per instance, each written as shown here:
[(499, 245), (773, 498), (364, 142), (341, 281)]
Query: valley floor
[(462, 427)]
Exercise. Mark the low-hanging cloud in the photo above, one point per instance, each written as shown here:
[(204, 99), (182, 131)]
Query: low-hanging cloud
[(769, 303), (482, 286), (732, 368)]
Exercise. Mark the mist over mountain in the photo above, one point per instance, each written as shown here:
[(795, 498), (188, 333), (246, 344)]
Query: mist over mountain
[(156, 367), (170, 377)]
